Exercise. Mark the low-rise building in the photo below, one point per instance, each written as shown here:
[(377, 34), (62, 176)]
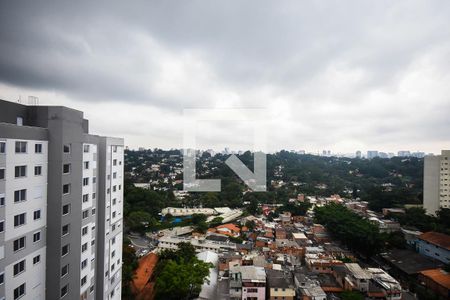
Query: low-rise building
[(308, 289), (435, 245), (384, 284), (280, 285), (357, 278), (247, 282), (436, 280), (200, 244)]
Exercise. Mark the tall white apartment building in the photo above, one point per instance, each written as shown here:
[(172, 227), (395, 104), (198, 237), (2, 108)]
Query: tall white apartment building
[(61, 202), (436, 182)]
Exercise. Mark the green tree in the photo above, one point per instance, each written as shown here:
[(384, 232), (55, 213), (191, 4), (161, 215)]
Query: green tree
[(181, 280), (139, 220), (351, 295)]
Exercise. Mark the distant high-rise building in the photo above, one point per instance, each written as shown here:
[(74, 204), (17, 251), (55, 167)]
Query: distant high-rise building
[(61, 202), (383, 155), (436, 182), (418, 154), (372, 154), (404, 153), (358, 154)]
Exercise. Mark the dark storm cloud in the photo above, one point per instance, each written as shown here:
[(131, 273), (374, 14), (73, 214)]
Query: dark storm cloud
[(357, 67)]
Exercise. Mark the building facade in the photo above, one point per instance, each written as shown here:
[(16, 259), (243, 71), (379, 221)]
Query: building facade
[(62, 206), (436, 189), (435, 245)]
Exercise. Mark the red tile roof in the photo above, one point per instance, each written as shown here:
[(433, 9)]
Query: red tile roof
[(439, 276), (229, 226), (436, 238)]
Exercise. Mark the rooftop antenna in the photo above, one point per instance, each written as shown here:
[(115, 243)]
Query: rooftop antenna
[(33, 100)]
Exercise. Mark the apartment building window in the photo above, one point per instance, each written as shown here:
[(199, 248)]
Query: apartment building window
[(19, 244), (94, 179), (85, 181), (37, 148), (65, 229), (114, 188), (19, 291), (114, 148), (113, 254), (2, 200), (85, 214), (93, 195), (120, 187), (86, 165), (37, 170), (86, 148), (85, 198), (91, 289), (2, 173), (92, 242), (36, 259), (19, 268), (84, 264), (2, 147), (84, 247), (20, 171), (66, 148), (113, 240), (21, 147), (19, 121), (19, 219), (114, 201), (83, 280), (66, 209), (112, 267), (36, 236), (93, 211), (66, 189), (37, 214), (114, 175), (114, 214), (65, 249), (64, 290), (84, 230), (2, 226), (66, 168), (20, 195), (64, 270), (114, 162), (2, 278)]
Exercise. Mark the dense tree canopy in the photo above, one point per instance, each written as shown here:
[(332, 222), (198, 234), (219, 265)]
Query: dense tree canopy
[(180, 274), (357, 233)]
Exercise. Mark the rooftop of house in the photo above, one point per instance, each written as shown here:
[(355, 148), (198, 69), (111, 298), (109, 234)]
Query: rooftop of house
[(286, 243), (230, 227), (409, 262), (250, 273), (439, 276), (436, 238), (358, 272), (279, 279)]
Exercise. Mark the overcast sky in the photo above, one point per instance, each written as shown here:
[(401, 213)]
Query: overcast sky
[(338, 75)]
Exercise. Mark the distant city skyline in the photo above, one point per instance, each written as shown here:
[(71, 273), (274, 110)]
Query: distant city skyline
[(341, 76)]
